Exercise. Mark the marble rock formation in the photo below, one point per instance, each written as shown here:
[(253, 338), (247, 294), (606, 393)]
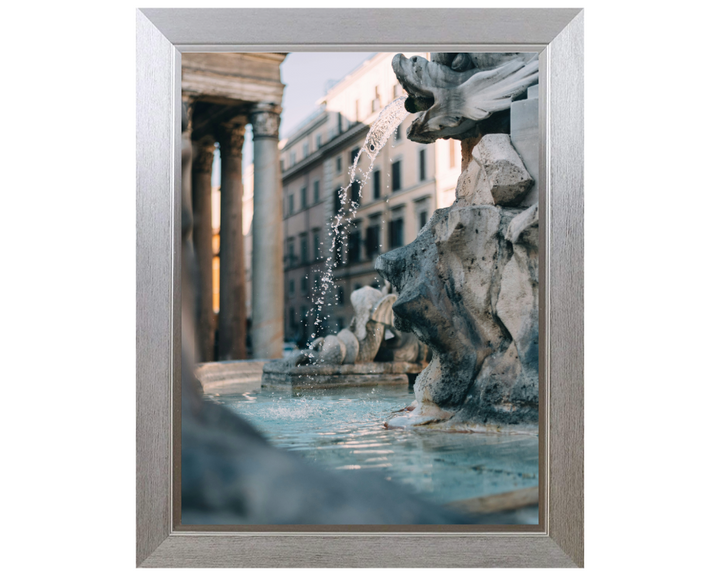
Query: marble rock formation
[(367, 333), (468, 288), (495, 174), (465, 94)]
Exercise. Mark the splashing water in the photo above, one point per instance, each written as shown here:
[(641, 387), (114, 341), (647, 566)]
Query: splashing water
[(386, 123)]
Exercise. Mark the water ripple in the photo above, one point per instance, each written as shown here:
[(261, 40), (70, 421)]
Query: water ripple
[(344, 430)]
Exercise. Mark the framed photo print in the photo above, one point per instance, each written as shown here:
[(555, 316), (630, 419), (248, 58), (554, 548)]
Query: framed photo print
[(359, 288)]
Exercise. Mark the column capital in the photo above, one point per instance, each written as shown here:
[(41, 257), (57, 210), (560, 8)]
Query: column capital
[(231, 138), (203, 153), (265, 118)]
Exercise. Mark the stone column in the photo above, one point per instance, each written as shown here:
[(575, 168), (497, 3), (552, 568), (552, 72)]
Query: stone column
[(267, 269), (233, 317), (203, 152)]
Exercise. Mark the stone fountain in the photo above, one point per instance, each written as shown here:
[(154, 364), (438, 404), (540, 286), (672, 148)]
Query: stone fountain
[(371, 351), (468, 285), (467, 292)]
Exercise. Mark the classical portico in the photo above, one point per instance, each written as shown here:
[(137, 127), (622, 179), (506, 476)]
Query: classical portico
[(224, 92)]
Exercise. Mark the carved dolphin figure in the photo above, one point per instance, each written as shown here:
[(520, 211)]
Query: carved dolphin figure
[(361, 341), (373, 313), (453, 98)]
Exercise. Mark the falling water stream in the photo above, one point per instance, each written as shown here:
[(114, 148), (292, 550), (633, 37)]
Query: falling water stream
[(386, 124)]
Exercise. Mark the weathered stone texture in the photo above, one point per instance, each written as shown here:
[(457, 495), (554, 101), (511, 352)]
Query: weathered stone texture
[(468, 289), (277, 373), (218, 375), (495, 174), (467, 192), (503, 173)]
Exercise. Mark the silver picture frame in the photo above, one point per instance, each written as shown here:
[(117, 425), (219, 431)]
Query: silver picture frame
[(163, 35)]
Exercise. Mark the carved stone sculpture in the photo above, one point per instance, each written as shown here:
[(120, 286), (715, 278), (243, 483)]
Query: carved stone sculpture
[(495, 174), (361, 341), (468, 288), (457, 94), (371, 351)]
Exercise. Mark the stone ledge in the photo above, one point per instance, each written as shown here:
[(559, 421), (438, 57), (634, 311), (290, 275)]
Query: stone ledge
[(278, 373), (218, 377)]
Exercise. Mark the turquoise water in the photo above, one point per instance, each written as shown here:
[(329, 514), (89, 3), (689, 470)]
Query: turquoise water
[(343, 429)]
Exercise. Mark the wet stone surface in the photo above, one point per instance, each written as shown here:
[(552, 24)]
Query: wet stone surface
[(277, 373)]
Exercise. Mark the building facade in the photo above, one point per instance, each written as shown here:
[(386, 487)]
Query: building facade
[(405, 185)]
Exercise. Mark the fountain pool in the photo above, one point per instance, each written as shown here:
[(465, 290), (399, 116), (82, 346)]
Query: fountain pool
[(343, 429)]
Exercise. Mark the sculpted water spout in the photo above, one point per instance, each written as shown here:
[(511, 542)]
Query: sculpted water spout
[(453, 93)]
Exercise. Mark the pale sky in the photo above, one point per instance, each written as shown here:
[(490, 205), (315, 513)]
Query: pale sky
[(307, 77)]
